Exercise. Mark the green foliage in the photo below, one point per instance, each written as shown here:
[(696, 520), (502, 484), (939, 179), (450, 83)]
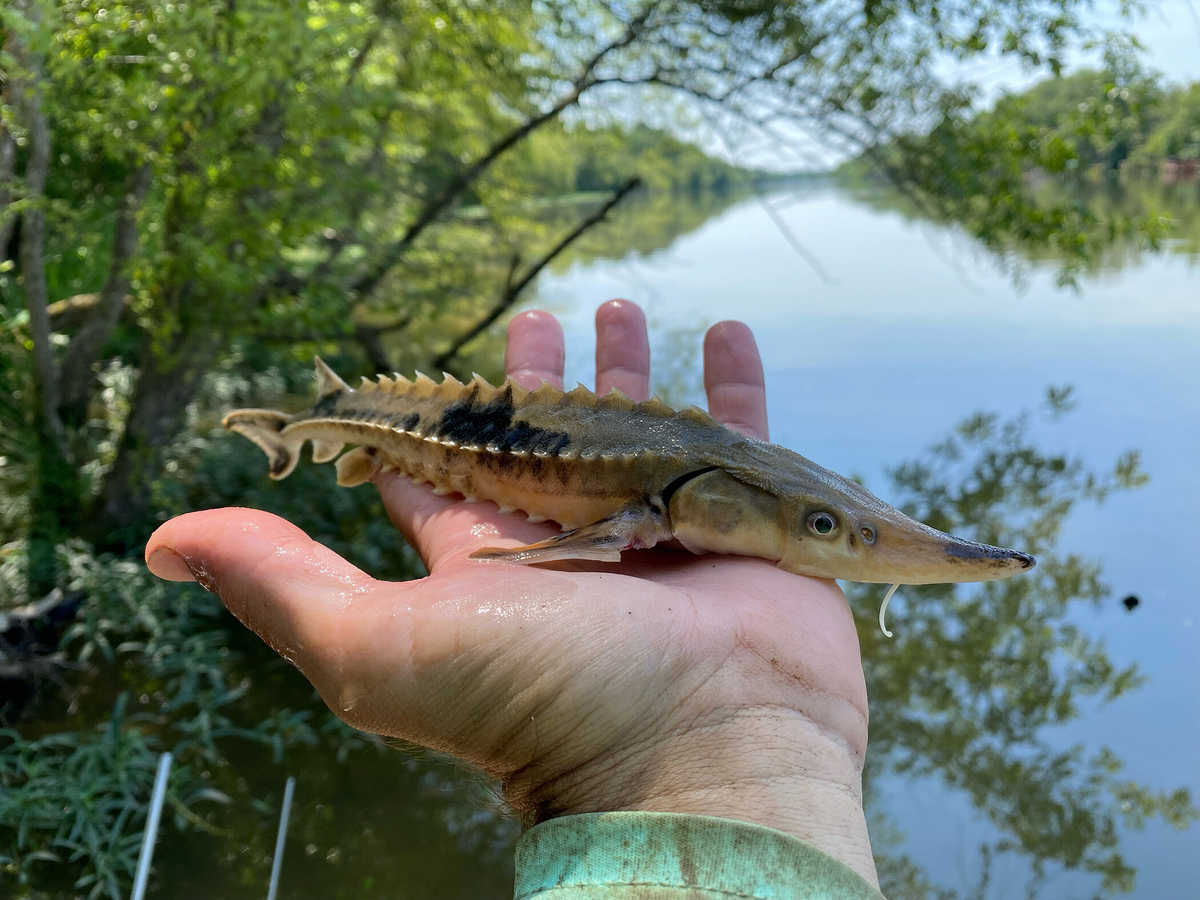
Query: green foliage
[(168, 647), (566, 160), (101, 779), (1177, 135), (982, 171), (976, 679)]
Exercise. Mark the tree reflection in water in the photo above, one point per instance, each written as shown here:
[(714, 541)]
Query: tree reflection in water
[(976, 676)]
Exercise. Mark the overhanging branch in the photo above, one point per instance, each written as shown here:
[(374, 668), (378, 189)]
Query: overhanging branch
[(513, 288), (366, 283), (89, 341), (28, 91)]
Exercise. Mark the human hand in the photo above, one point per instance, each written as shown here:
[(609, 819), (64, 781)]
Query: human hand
[(714, 685)]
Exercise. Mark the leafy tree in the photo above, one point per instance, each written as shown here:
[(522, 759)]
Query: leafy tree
[(978, 169), (1178, 133)]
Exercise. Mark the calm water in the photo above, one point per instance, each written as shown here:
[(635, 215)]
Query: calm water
[(905, 332)]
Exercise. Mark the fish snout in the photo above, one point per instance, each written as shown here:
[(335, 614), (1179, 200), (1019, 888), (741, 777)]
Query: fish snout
[(917, 554), (1010, 562)]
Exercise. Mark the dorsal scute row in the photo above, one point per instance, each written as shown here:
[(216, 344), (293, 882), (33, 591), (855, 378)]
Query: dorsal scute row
[(546, 394)]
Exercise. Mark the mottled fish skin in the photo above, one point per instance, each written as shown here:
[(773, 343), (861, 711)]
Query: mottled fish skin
[(615, 475)]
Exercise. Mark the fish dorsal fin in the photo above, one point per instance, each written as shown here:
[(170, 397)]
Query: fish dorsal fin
[(698, 416), (401, 385), (385, 384), (655, 407), (615, 399), (368, 386), (545, 394), (327, 380), (579, 396)]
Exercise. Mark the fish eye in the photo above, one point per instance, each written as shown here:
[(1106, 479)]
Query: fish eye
[(822, 523), (868, 533)]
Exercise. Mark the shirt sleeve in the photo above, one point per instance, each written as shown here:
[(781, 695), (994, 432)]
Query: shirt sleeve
[(668, 856)]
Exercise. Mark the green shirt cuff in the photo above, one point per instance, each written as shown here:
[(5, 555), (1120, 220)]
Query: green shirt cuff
[(668, 856)]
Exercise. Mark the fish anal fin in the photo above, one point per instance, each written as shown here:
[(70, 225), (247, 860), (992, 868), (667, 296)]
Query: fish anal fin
[(634, 526)]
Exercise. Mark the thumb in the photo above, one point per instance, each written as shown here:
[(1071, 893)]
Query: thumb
[(290, 590)]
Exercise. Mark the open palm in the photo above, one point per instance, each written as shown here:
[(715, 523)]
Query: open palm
[(666, 682)]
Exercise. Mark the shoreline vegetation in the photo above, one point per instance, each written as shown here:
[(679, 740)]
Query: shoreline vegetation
[(1101, 124)]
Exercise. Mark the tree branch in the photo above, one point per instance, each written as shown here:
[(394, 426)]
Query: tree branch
[(513, 289), (8, 164), (89, 341), (8, 161), (369, 280), (27, 89)]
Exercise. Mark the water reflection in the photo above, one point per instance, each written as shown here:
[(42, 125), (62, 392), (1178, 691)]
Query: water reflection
[(976, 674), (1174, 207)]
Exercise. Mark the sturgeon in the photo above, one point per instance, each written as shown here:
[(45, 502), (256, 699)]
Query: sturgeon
[(617, 475)]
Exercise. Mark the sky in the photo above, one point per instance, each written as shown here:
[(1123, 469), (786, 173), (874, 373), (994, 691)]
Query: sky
[(1169, 30)]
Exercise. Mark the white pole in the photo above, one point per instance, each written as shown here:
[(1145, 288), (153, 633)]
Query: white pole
[(289, 791), (156, 804)]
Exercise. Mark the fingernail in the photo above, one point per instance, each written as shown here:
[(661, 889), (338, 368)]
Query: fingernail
[(169, 565)]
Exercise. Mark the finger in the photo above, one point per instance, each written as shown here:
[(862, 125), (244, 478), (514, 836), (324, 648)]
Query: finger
[(535, 350), (733, 379), (291, 591), (622, 350), (444, 529)]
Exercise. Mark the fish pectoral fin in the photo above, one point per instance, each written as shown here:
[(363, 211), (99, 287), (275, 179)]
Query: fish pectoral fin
[(635, 525), (358, 466)]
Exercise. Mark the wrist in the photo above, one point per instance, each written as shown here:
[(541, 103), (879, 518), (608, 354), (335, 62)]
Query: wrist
[(771, 766)]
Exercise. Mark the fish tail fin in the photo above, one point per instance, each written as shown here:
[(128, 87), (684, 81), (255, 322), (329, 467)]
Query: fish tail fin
[(265, 428)]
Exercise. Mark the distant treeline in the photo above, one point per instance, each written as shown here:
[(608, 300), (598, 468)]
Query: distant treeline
[(1097, 120), (1112, 117), (567, 159)]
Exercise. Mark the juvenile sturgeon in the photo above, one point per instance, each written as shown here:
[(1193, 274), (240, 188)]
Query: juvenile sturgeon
[(617, 475)]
